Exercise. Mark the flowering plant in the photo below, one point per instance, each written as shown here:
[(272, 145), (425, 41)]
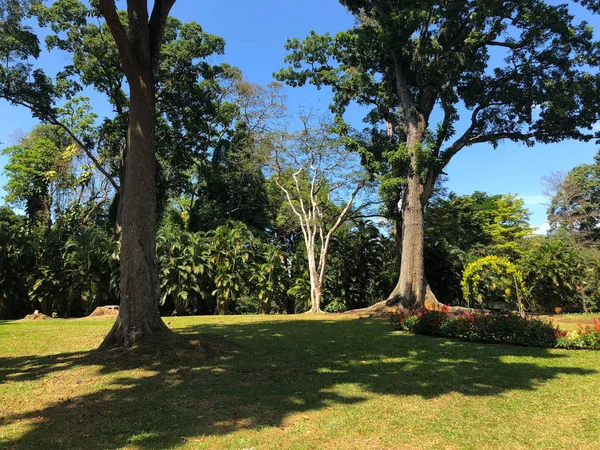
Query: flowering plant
[(587, 337)]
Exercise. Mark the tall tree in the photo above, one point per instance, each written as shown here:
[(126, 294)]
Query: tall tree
[(139, 42), (312, 168), (575, 202), (513, 70)]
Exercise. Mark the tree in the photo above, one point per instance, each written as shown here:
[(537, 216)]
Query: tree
[(575, 209), (358, 272), (312, 166), (139, 43), (37, 170), (462, 228), (182, 259), (15, 263), (514, 70), (552, 270), (575, 202), (47, 174)]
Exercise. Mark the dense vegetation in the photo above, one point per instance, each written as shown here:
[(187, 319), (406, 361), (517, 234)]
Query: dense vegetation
[(256, 215), (66, 261)]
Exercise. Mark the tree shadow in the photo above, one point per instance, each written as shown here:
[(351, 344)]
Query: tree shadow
[(216, 379)]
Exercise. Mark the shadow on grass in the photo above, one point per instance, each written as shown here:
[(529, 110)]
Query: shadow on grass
[(221, 378)]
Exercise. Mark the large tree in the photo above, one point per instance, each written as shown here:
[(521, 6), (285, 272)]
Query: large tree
[(441, 76), (139, 42)]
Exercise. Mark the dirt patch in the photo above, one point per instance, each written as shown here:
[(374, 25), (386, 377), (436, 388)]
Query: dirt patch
[(378, 311), (35, 316), (559, 318), (102, 311)]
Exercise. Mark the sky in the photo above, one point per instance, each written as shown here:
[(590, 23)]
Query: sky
[(255, 33)]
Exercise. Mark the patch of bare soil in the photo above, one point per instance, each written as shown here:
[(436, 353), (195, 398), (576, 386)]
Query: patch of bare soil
[(560, 318), (35, 316), (101, 311)]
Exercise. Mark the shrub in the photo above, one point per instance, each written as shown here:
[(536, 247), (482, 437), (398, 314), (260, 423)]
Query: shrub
[(508, 328), (493, 278)]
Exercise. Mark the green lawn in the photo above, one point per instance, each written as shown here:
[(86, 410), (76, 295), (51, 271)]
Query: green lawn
[(280, 382)]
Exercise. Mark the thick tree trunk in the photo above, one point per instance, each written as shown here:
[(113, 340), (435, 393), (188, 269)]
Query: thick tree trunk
[(138, 313), (265, 308), (410, 289), (411, 285), (315, 300)]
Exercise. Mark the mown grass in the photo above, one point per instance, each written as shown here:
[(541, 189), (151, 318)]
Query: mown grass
[(289, 382)]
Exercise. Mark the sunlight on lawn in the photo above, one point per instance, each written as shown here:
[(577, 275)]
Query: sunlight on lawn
[(283, 382)]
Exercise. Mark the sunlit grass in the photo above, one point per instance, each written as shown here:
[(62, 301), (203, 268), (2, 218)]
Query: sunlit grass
[(289, 382)]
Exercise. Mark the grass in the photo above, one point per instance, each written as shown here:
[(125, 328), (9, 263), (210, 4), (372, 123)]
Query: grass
[(289, 382)]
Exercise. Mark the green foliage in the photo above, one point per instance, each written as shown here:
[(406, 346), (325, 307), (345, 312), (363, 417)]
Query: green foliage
[(552, 272), (360, 270), (460, 229), (269, 276), (491, 278), (89, 264), (183, 261), (231, 247), (15, 262), (493, 328), (40, 173), (405, 61), (575, 205)]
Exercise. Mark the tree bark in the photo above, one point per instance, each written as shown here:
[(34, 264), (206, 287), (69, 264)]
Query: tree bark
[(222, 306), (290, 305), (264, 308), (140, 292), (315, 284), (410, 289), (139, 47)]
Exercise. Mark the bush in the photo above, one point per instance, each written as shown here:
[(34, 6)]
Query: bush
[(493, 279), (507, 328)]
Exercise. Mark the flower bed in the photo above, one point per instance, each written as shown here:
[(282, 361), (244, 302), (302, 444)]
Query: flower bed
[(584, 338), (506, 328)]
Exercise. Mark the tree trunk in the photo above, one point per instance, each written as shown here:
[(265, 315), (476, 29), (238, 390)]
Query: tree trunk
[(315, 289), (315, 299), (411, 284), (410, 289), (290, 305), (264, 308), (222, 306), (140, 292), (315, 284)]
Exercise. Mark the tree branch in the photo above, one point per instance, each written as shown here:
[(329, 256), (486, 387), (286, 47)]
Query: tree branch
[(158, 19), (54, 121), (109, 11)]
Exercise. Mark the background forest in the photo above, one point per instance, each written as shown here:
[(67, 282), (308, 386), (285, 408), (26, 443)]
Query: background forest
[(234, 171)]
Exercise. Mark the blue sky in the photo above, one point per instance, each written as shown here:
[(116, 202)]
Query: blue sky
[(255, 33)]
